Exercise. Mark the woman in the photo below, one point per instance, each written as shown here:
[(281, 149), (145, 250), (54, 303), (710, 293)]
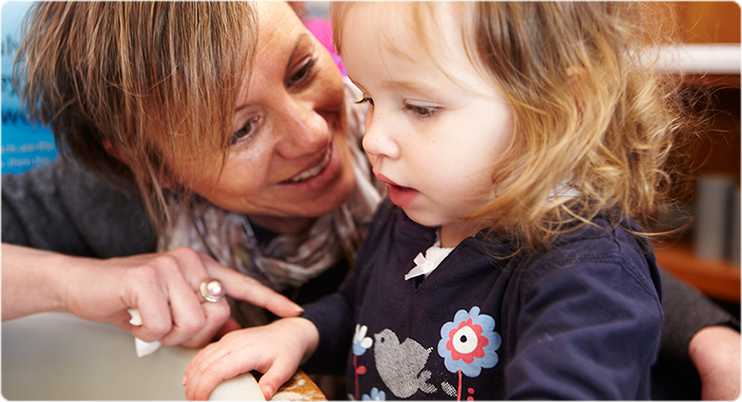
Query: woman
[(233, 126)]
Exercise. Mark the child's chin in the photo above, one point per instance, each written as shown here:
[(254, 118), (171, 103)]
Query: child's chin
[(422, 218)]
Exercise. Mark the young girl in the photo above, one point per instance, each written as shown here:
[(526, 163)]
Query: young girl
[(520, 143)]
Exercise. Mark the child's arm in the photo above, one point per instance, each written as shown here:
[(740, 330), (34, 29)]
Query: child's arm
[(585, 330), (276, 350)]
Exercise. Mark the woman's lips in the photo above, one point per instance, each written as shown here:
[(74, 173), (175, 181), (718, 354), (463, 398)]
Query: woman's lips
[(401, 196), (321, 179), (315, 170)]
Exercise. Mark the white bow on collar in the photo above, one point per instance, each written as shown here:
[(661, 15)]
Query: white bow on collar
[(425, 264)]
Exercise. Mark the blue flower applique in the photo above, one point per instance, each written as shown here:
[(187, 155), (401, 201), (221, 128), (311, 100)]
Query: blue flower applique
[(361, 342), (469, 343), (376, 395)]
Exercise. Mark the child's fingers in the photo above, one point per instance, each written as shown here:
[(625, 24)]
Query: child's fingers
[(204, 359), (277, 375), (200, 386)]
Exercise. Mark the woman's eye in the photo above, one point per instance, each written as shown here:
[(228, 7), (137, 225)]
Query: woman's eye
[(302, 73), (423, 112), (246, 130)]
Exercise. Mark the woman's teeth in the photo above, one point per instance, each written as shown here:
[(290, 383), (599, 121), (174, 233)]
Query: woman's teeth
[(309, 173)]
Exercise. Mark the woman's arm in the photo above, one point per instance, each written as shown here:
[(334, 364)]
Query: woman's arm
[(162, 286), (98, 261), (696, 332), (715, 351), (60, 207), (32, 282)]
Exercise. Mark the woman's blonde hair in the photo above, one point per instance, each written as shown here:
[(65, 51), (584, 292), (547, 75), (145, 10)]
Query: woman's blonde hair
[(593, 125), (143, 92)]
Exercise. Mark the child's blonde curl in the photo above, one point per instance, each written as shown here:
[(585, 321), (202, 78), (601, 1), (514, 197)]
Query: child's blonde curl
[(593, 126)]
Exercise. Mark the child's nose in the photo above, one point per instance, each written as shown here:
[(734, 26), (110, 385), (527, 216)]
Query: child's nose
[(379, 143)]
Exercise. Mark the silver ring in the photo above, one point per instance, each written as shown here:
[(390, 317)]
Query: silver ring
[(212, 291)]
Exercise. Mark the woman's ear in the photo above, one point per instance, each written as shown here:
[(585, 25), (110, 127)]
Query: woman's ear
[(163, 179), (111, 150)]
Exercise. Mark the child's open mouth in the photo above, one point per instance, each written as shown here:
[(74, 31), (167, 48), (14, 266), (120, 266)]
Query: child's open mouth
[(401, 196)]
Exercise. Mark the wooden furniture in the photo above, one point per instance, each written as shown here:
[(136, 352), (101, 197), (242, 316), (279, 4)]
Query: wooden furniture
[(299, 388), (718, 279), (707, 22)]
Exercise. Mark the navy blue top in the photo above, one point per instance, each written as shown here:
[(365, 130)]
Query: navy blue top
[(580, 320)]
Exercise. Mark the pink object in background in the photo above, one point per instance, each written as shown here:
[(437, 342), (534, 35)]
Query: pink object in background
[(322, 30)]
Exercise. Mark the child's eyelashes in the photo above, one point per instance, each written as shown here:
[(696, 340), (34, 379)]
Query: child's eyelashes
[(422, 111)]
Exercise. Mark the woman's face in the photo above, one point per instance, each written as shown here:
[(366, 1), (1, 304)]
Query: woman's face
[(289, 159)]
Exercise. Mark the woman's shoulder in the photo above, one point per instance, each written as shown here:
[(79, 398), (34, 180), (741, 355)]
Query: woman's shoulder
[(63, 207)]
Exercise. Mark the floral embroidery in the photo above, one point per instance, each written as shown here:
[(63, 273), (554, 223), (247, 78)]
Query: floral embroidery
[(468, 344), (361, 342), (376, 395)]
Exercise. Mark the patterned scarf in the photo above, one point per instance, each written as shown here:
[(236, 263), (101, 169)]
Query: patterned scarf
[(289, 260)]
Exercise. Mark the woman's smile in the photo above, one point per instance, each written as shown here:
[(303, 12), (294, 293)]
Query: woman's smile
[(319, 176), (295, 160), (311, 172)]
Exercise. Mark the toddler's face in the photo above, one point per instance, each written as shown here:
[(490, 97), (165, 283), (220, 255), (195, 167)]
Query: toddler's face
[(433, 137)]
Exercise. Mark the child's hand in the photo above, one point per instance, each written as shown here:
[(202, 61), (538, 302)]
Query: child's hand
[(276, 350)]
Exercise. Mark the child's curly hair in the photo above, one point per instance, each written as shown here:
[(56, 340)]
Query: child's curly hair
[(591, 116)]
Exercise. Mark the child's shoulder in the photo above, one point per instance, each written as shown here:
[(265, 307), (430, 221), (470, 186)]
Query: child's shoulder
[(593, 254), (602, 240), (590, 301)]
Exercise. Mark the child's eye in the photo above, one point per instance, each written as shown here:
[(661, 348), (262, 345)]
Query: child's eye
[(420, 111), (246, 130)]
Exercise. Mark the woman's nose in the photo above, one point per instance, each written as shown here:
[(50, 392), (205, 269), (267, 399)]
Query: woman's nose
[(377, 141), (305, 132)]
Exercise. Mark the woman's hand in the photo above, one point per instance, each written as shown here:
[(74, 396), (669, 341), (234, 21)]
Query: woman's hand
[(715, 352), (276, 350), (162, 286)]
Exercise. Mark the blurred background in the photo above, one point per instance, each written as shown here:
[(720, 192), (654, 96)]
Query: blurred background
[(703, 247)]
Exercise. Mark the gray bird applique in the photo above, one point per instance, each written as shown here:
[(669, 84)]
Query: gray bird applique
[(400, 366)]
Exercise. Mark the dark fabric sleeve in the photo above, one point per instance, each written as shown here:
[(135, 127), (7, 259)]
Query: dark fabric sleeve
[(334, 314), (687, 311), (62, 208), (333, 317), (590, 331)]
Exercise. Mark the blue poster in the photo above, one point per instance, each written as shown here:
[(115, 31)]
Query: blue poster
[(24, 144)]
